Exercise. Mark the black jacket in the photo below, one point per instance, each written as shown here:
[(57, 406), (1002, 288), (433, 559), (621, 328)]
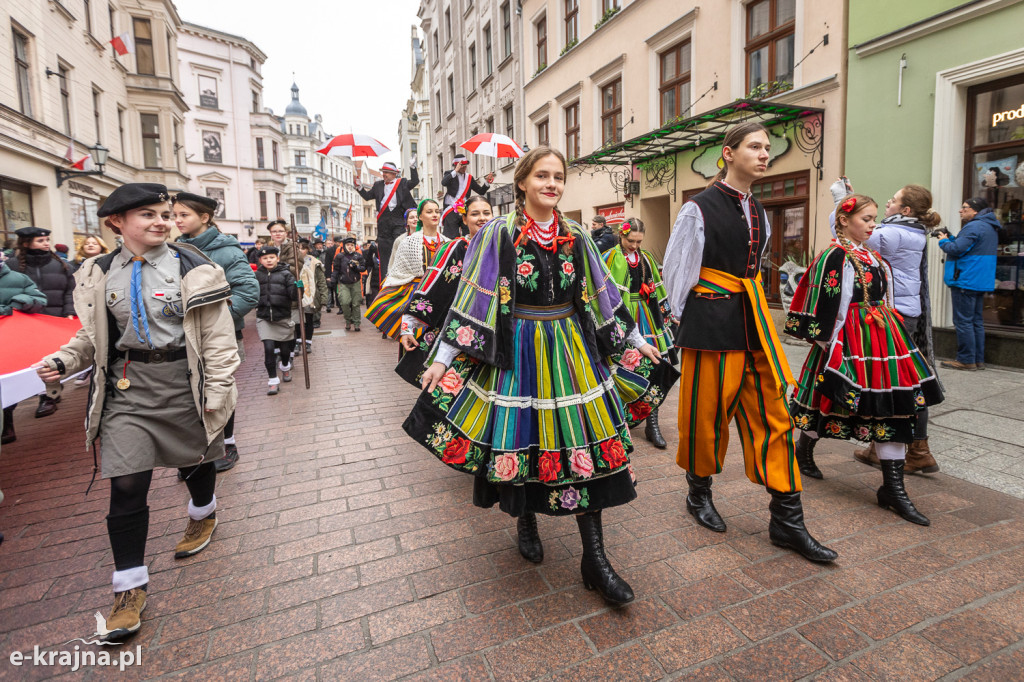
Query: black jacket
[(52, 276), (277, 291), (346, 267), (604, 238), (328, 259), (450, 182), (404, 200)]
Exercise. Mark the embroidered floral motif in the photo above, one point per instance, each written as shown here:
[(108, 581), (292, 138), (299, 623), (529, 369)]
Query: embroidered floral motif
[(613, 453), (569, 499), (422, 306), (837, 429), (884, 432), (618, 331), (862, 433), (506, 466), (453, 272), (549, 466), (631, 358), (813, 330), (852, 399), (792, 322), (456, 451), (832, 283), (526, 273), (464, 335), (919, 399), (440, 437), (580, 463), (567, 274), (451, 382), (639, 410), (802, 421), (427, 341)]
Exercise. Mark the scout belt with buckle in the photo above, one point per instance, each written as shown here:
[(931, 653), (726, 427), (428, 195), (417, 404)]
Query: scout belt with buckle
[(158, 355)]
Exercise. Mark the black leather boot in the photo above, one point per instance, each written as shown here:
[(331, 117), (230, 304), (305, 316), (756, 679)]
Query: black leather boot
[(892, 494), (653, 432), (699, 503), (597, 573), (786, 529), (47, 406), (8, 430), (529, 539), (805, 456)]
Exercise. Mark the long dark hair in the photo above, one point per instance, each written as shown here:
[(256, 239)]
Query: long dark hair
[(24, 243), (523, 169), (734, 138)]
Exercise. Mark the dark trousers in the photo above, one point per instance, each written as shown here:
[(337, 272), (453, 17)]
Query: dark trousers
[(970, 329), (452, 226), (270, 358)]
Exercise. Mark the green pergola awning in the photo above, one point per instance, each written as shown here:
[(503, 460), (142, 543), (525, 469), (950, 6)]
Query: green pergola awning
[(696, 131)]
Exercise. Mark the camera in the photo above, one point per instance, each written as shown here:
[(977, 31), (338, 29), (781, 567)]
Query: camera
[(939, 232)]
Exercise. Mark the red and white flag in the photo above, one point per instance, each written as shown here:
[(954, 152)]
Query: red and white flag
[(69, 155), (84, 163), (123, 44)]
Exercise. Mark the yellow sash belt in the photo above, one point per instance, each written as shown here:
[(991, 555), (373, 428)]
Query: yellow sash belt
[(718, 282)]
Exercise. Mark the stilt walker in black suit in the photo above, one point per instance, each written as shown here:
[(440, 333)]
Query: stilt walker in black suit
[(393, 196), (457, 183)]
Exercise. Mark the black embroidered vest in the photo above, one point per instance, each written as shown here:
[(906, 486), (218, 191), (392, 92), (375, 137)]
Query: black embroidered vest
[(721, 322)]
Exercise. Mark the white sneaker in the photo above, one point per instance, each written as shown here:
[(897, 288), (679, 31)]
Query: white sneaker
[(273, 386)]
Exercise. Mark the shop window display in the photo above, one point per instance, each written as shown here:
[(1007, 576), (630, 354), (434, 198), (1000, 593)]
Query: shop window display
[(995, 171)]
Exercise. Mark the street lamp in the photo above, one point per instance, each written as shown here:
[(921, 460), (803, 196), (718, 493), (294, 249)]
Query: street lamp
[(99, 159)]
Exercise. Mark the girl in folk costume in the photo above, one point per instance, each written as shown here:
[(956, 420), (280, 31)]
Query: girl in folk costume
[(519, 393), (864, 377), (426, 311), (157, 328), (636, 273), (409, 261)]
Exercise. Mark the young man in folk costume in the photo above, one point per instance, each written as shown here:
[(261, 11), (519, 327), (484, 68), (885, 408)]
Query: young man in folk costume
[(393, 197), (732, 361), (457, 184)]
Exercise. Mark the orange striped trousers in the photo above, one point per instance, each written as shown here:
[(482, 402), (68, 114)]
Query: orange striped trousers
[(717, 387)]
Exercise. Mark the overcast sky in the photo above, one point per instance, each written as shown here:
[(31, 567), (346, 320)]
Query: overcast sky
[(351, 58)]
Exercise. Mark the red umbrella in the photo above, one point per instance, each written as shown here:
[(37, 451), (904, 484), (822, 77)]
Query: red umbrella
[(24, 340), (351, 145), (493, 144)]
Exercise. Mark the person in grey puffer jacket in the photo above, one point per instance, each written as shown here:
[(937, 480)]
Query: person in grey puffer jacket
[(193, 216)]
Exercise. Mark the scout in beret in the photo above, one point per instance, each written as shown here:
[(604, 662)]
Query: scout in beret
[(157, 329), (32, 232)]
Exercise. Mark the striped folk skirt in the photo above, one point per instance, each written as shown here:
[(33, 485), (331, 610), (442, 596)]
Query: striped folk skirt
[(385, 313), (870, 385), (549, 435)]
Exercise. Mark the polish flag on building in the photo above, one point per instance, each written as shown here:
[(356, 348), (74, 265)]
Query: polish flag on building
[(84, 163), (123, 44)]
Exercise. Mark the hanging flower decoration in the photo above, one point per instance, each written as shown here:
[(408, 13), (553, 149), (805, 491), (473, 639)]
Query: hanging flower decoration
[(460, 207), (848, 205)]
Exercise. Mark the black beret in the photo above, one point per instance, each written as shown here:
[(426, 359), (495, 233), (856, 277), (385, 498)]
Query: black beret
[(304, 242), (269, 251), (132, 195), (208, 202), (32, 232), (276, 222), (349, 240)]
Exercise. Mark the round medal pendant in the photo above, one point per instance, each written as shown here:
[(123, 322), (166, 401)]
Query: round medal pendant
[(123, 384)]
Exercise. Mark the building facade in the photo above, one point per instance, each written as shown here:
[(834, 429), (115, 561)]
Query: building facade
[(62, 83), (414, 127), (939, 85), (233, 144), (368, 176), (638, 94), (318, 186), (475, 71)]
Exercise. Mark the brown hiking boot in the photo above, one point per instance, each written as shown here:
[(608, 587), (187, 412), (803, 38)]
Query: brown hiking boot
[(867, 456), (125, 617), (919, 458), (197, 537)]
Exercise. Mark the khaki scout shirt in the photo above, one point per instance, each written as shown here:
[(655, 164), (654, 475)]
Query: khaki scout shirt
[(161, 294)]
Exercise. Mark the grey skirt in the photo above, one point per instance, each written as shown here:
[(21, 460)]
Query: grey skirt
[(278, 330), (154, 422)]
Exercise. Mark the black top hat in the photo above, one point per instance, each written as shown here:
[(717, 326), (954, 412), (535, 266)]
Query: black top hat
[(132, 195), (32, 232), (208, 202)]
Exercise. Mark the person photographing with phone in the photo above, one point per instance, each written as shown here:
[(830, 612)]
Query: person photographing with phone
[(970, 274)]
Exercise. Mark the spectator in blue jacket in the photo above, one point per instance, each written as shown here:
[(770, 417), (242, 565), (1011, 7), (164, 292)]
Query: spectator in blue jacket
[(193, 216), (970, 274)]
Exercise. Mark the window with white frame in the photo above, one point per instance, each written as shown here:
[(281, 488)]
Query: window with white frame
[(771, 26)]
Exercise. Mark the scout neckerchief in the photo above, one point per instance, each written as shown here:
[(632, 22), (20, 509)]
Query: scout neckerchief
[(384, 206), (461, 197)]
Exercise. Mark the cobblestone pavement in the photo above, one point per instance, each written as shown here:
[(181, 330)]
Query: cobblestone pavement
[(346, 552)]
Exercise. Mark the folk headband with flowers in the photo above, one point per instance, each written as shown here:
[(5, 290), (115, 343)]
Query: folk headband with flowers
[(625, 228), (460, 207), (848, 205)]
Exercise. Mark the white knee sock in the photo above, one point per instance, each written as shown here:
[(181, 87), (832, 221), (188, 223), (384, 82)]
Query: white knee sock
[(890, 450), (130, 578), (199, 513)]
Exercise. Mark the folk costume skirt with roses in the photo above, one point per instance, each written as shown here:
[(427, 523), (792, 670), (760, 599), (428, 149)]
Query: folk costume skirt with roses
[(872, 382), (548, 433)]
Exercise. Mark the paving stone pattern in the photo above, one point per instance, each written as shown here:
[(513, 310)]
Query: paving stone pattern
[(344, 551)]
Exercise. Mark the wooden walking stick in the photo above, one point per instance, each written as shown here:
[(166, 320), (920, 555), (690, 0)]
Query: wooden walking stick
[(302, 315)]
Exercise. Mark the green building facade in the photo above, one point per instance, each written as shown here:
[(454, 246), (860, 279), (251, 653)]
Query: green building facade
[(935, 96)]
